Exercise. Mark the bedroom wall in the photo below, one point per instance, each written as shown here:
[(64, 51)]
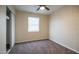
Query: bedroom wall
[(22, 34), (64, 27), (2, 29)]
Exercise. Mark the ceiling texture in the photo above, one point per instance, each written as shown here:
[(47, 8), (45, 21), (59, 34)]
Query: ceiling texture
[(33, 8)]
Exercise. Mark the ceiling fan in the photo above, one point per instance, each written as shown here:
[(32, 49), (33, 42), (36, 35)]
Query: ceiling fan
[(42, 7)]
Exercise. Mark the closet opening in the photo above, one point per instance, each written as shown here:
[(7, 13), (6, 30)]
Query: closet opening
[(8, 29)]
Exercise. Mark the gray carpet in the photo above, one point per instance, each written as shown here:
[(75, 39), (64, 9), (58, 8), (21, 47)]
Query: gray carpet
[(40, 47)]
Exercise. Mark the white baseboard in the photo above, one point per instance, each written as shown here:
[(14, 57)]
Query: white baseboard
[(8, 51), (65, 46)]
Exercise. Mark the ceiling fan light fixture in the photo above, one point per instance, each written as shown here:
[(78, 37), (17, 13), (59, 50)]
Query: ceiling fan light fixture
[(42, 8)]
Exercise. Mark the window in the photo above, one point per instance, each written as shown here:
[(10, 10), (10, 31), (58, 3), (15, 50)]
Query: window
[(33, 24)]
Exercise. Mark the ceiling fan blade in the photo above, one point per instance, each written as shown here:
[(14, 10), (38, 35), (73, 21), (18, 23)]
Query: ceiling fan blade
[(47, 8)]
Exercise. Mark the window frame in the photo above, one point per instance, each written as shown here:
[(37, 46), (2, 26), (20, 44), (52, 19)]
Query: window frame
[(38, 24)]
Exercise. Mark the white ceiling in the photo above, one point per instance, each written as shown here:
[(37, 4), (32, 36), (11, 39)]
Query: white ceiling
[(33, 8)]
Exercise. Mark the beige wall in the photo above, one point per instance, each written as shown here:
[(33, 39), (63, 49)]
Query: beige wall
[(64, 27), (22, 34)]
